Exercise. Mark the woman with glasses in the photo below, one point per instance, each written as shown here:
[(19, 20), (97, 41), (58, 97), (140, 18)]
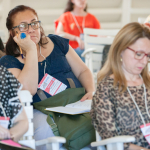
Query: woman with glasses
[(31, 57), (121, 104)]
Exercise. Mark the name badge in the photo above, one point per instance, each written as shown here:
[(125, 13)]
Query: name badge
[(51, 85), (82, 36), (146, 132), (4, 122)]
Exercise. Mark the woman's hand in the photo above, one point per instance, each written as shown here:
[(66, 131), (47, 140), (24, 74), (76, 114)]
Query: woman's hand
[(26, 44), (80, 42), (88, 95), (4, 133)]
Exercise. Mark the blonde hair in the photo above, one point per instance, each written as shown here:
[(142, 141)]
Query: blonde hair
[(128, 35)]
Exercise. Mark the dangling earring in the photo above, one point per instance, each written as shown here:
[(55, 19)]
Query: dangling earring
[(121, 59)]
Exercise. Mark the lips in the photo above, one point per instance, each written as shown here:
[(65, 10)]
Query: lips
[(140, 68)]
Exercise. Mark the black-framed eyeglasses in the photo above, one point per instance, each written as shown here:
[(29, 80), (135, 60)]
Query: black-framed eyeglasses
[(24, 26), (139, 54)]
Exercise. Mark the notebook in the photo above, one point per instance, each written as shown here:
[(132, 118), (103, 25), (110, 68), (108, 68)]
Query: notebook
[(73, 108)]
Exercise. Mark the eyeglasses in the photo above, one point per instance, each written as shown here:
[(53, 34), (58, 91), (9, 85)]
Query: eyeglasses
[(139, 54), (25, 26)]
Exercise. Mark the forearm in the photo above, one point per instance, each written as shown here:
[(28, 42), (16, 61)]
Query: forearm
[(19, 129), (86, 79), (67, 35), (29, 74), (136, 147)]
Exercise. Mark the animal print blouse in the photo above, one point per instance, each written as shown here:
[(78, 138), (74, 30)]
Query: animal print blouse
[(114, 113)]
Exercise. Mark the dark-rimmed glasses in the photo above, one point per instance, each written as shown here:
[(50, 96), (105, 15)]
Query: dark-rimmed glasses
[(25, 26), (139, 54)]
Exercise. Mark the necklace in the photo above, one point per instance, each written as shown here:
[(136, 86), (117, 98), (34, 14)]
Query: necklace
[(77, 24)]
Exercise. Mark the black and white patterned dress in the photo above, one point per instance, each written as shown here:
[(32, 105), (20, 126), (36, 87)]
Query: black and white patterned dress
[(9, 100)]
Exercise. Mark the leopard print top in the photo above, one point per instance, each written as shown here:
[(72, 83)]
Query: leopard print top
[(114, 113)]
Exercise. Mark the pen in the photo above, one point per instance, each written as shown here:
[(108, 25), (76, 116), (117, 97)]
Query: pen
[(20, 48)]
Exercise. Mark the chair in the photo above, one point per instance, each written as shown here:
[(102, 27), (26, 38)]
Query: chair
[(141, 20), (94, 41), (114, 143), (2, 35), (51, 143)]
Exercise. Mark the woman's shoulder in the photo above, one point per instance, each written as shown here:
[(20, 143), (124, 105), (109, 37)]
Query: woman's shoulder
[(68, 13), (57, 39), (61, 42), (6, 75), (65, 15), (106, 82), (91, 16), (9, 61)]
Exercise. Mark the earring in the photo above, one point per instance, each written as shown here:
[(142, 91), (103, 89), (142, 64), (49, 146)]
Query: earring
[(121, 59)]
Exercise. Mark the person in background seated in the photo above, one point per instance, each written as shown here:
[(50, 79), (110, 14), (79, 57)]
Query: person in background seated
[(11, 107), (42, 56), (121, 103), (72, 22), (1, 48)]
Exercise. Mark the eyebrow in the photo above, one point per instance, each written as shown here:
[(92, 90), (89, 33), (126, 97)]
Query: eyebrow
[(31, 21), (142, 51)]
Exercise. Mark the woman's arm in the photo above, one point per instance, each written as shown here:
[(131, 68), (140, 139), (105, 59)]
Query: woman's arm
[(136, 147), (60, 31), (20, 126), (28, 76), (82, 72)]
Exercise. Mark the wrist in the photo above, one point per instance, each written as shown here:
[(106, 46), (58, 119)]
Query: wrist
[(75, 38)]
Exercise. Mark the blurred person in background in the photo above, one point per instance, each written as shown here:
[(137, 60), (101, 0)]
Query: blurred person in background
[(71, 23)]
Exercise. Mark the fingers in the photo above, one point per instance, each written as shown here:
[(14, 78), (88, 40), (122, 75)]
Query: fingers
[(4, 133), (87, 96)]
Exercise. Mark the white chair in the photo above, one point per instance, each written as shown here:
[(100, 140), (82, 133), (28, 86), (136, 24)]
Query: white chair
[(51, 143), (114, 143), (94, 41), (2, 35), (141, 20)]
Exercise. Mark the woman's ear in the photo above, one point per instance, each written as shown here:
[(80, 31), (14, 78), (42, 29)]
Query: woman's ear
[(12, 33)]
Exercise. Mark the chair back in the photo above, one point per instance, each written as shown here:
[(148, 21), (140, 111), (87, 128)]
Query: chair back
[(26, 99), (141, 19), (2, 35), (94, 41)]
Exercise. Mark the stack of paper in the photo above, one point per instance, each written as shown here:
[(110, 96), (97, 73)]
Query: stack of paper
[(73, 108)]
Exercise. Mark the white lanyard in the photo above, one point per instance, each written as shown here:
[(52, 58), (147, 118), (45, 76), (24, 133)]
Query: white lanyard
[(39, 56), (137, 105), (76, 22), (45, 60)]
